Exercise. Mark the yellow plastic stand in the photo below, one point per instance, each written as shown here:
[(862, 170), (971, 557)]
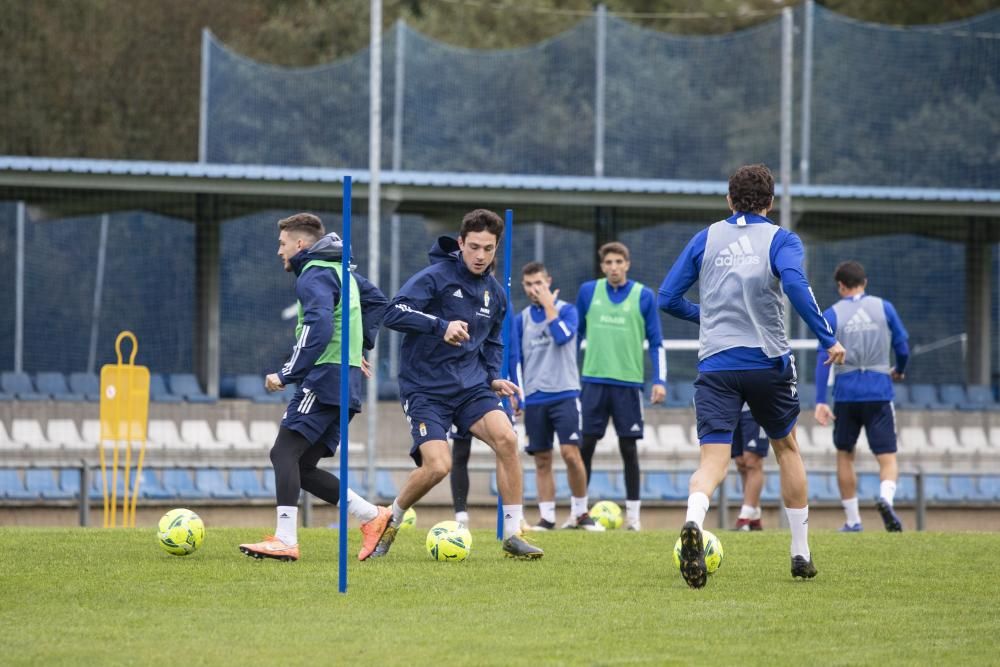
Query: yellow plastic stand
[(124, 415)]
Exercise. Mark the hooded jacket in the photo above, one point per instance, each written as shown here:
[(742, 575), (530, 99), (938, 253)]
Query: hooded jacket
[(444, 292), (318, 292)]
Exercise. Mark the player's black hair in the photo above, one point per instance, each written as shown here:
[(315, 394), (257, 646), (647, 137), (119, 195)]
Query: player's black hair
[(481, 220), (751, 188), (850, 273), (532, 268)]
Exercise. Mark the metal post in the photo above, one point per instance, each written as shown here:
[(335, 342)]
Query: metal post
[(399, 83), (84, 494), (95, 316), (978, 320), (207, 329), (807, 73), (307, 509), (206, 42), (19, 292), (374, 213), (599, 92), (786, 118), (918, 479), (723, 506), (540, 242)]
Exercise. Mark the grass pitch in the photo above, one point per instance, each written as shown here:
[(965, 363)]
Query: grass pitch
[(91, 596)]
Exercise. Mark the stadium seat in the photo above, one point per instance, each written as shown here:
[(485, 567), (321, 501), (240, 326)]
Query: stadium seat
[(186, 385), (247, 482), (227, 386), (936, 488), (270, 489), (212, 482), (868, 485), (964, 488), (671, 439), (989, 487), (806, 444), (913, 439), (822, 439), (29, 431), (12, 485), (772, 487), (943, 440), (97, 483), (901, 397), (530, 486), (906, 489), (807, 394), (973, 439), (385, 487), (263, 433), (680, 395), (606, 486), (158, 392), (925, 397), (954, 396), (563, 491), (980, 397), (64, 432), (90, 430), (665, 486), (249, 386), (151, 487), (54, 384), (19, 385), (7, 444), (650, 441), (822, 487), (69, 481), (178, 483), (233, 433), (42, 482), (86, 384), (162, 433), (197, 434)]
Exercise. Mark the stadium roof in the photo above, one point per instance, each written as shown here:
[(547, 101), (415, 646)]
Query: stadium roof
[(229, 179)]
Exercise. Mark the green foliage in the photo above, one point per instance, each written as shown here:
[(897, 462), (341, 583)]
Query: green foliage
[(113, 597)]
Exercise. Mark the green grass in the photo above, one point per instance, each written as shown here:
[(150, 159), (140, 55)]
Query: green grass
[(91, 596)]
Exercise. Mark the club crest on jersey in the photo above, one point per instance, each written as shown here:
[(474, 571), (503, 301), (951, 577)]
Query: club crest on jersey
[(423, 430), (486, 298)]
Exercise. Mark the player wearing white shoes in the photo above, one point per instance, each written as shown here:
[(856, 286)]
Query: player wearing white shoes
[(862, 392), (543, 361), (744, 266), (310, 428), (617, 316)]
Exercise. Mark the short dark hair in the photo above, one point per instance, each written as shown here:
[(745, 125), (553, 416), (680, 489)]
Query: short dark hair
[(616, 247), (481, 220), (303, 223), (850, 273), (532, 268), (751, 188)]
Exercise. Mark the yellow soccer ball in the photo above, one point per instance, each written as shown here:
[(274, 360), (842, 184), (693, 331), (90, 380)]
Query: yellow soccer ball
[(180, 532), (607, 513), (409, 520), (448, 542), (713, 551)]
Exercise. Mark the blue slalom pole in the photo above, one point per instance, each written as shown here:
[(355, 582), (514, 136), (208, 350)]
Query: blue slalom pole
[(345, 372), (508, 232)]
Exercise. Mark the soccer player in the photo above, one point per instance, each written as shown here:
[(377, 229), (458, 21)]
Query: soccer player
[(616, 316), (863, 392), (451, 314), (744, 266), (543, 358), (749, 450), (310, 429)]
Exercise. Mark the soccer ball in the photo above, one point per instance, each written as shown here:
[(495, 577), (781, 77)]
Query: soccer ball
[(447, 541), (607, 513), (180, 532), (713, 551), (409, 519)]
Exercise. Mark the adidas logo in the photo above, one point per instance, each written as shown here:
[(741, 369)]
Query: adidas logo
[(636, 428), (507, 516), (860, 321), (458, 293), (739, 253), (284, 515), (575, 436)]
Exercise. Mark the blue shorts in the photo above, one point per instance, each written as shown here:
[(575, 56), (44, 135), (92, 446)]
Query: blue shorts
[(623, 405), (878, 419), (316, 422), (749, 437), (431, 418), (561, 418), (770, 393)]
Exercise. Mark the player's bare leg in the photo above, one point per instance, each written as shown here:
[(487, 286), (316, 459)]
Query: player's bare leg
[(751, 469), (795, 494), (495, 430)]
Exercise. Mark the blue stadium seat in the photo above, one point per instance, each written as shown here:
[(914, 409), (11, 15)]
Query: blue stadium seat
[(989, 487), (54, 384), (606, 486), (186, 385), (665, 486), (227, 386), (980, 397), (906, 489), (97, 483), (384, 486), (247, 482), (823, 487), (936, 488), (680, 394), (87, 384), (807, 394), (249, 386), (178, 483), (151, 487), (4, 396), (868, 485), (158, 392), (925, 397), (964, 488), (954, 396), (388, 389), (212, 482), (19, 384), (12, 486), (69, 481), (530, 486), (902, 396), (42, 482), (562, 485), (772, 487), (270, 489)]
